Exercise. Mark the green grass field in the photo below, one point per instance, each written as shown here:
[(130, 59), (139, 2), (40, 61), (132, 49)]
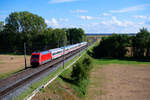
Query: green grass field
[(117, 61)]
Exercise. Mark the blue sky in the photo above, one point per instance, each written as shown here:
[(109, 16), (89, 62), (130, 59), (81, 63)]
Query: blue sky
[(94, 16)]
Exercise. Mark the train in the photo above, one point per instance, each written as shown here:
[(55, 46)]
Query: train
[(40, 58)]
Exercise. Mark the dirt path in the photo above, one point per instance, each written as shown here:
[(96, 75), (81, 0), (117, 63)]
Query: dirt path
[(120, 82)]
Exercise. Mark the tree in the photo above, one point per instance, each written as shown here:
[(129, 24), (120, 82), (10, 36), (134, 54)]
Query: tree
[(26, 23), (148, 48), (112, 46), (75, 35), (1, 26), (43, 41), (48, 35), (141, 43), (22, 27), (59, 37)]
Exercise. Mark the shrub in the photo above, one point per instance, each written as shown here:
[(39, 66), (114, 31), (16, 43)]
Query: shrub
[(81, 72)]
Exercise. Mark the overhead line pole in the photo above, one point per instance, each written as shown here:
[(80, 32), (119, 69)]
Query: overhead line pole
[(25, 62), (63, 58), (64, 55)]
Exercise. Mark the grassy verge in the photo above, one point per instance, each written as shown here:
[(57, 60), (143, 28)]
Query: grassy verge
[(80, 90), (5, 75), (116, 61), (43, 81)]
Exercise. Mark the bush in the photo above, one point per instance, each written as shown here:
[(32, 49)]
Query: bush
[(81, 72)]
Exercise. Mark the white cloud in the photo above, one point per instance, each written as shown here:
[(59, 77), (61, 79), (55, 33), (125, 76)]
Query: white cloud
[(86, 17), (129, 9), (106, 25), (95, 24), (60, 1), (105, 14), (47, 22), (104, 22), (2, 17), (142, 17), (114, 25), (63, 19), (53, 23), (115, 21), (79, 11)]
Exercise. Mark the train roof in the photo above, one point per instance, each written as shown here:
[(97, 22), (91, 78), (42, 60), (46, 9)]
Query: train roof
[(56, 49), (42, 52), (59, 49), (83, 43), (45, 52), (65, 47)]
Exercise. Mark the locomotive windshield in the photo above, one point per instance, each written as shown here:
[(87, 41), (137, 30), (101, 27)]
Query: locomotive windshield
[(35, 56)]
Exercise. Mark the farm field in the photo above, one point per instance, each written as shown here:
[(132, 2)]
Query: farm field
[(119, 82), (110, 80), (11, 63)]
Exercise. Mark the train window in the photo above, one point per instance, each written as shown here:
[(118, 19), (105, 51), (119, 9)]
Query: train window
[(57, 52), (35, 56)]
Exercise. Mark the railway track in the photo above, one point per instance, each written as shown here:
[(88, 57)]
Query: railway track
[(14, 82)]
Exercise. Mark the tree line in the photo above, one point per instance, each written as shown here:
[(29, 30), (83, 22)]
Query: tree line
[(25, 27), (117, 46)]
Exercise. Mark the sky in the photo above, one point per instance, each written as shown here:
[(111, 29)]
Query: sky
[(94, 16)]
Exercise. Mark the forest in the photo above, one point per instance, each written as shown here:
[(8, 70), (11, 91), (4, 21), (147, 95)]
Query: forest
[(123, 45), (25, 27)]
